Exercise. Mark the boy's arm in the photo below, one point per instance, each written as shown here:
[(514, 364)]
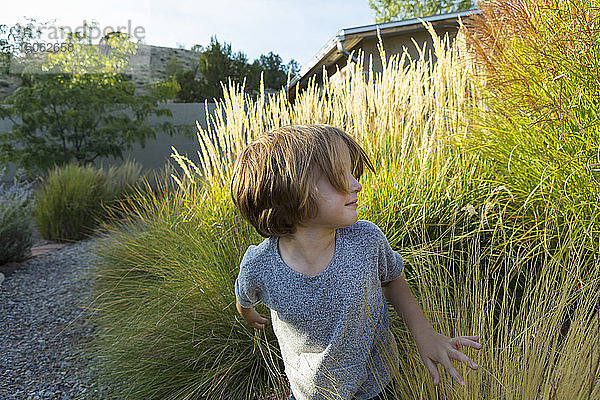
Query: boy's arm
[(434, 347), (251, 316)]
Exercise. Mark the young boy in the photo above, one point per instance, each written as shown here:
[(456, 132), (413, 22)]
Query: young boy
[(325, 275)]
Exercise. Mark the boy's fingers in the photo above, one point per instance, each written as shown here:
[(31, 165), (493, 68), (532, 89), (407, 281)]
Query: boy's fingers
[(465, 341), (452, 371), (459, 356), (475, 338), (433, 371), (260, 322)]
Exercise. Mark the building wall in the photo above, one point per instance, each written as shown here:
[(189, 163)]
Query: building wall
[(392, 45)]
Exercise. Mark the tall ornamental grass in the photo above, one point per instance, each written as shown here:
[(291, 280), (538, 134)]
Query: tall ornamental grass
[(165, 309), (408, 118), (540, 129), (168, 327), (540, 332)]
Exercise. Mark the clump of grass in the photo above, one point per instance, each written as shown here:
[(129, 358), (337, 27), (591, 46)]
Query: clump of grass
[(122, 179), (540, 129), (69, 202), (168, 325), (540, 332), (73, 200)]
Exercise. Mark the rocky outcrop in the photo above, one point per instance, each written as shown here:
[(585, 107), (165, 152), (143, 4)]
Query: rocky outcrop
[(147, 66)]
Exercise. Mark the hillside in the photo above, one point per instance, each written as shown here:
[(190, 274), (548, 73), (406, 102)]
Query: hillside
[(148, 65)]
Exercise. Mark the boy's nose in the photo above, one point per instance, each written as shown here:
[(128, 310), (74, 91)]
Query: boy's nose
[(355, 185)]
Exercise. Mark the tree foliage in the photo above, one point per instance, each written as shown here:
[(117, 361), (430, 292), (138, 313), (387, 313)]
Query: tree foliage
[(81, 107), (275, 72), (218, 63), (12, 40), (394, 10), (190, 88)]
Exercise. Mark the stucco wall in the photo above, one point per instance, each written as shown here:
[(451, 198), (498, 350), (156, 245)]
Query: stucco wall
[(157, 151), (392, 45)]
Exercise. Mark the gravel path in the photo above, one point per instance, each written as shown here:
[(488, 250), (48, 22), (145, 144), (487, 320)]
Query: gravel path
[(43, 309)]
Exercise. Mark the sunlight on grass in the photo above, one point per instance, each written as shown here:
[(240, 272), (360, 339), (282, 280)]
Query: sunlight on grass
[(168, 327)]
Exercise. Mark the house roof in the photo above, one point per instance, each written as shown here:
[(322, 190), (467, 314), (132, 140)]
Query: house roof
[(348, 38)]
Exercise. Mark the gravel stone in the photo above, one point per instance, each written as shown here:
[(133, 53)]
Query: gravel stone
[(45, 306)]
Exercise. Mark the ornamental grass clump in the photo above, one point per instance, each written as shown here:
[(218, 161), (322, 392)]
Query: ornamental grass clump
[(16, 221), (69, 202), (540, 129), (540, 332), (168, 328), (408, 118), (121, 179), (73, 200)]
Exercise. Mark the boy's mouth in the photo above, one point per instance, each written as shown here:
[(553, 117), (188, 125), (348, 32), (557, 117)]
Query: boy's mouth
[(351, 203)]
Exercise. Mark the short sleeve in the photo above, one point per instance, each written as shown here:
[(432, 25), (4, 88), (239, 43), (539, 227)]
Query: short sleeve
[(246, 294), (389, 262), (246, 287)]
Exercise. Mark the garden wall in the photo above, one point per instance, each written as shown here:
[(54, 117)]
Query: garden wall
[(157, 151)]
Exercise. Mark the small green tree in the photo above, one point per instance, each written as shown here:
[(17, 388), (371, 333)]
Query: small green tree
[(190, 87), (394, 10), (217, 64), (82, 108), (275, 73)]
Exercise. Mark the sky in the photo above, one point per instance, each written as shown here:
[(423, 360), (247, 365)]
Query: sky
[(291, 28)]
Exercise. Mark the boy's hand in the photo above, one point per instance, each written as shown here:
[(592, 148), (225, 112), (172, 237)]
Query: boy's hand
[(433, 347), (252, 317), (436, 348)]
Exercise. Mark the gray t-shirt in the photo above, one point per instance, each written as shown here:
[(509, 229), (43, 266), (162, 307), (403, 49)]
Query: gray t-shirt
[(332, 328)]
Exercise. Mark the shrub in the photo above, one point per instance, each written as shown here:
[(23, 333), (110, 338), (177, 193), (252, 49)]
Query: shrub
[(164, 288), (75, 200), (69, 203), (16, 221)]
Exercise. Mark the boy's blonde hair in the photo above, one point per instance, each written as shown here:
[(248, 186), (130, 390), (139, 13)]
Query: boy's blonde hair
[(275, 177)]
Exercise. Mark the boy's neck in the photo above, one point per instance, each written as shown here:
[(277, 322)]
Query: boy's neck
[(308, 250)]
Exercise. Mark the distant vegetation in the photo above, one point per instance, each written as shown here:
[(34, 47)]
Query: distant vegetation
[(78, 106), (218, 64), (395, 10)]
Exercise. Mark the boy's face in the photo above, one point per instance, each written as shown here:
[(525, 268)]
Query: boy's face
[(337, 210)]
